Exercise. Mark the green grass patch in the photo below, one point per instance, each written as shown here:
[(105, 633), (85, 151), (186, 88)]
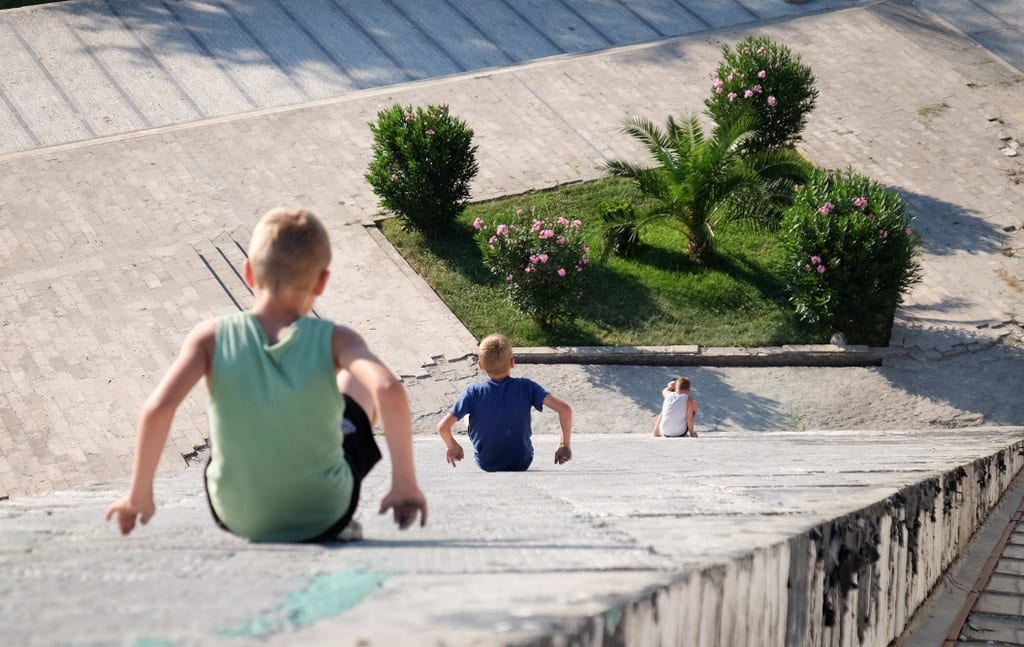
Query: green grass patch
[(660, 297)]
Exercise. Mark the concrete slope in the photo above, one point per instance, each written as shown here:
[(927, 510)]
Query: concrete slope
[(815, 538)]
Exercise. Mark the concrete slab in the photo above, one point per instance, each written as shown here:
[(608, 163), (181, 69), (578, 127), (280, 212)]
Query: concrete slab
[(517, 558)]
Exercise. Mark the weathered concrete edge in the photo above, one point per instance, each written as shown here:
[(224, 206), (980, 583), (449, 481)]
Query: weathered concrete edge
[(855, 580), (765, 356)]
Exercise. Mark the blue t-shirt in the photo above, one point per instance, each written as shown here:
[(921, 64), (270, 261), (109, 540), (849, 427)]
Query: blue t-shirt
[(499, 421)]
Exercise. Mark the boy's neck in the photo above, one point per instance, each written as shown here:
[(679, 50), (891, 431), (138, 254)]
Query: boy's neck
[(275, 312), (498, 377)]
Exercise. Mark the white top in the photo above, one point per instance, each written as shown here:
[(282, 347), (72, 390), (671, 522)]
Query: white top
[(673, 414)]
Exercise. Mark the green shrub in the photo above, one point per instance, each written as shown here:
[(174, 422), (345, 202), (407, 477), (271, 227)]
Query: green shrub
[(762, 78), (423, 162), (540, 261), (850, 254)]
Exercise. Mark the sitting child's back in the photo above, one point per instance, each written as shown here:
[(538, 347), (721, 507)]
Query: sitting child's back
[(499, 414), (499, 421)]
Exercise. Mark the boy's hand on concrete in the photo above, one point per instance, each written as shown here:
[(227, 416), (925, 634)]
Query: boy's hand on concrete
[(563, 455), (405, 504), (455, 454), (127, 511)]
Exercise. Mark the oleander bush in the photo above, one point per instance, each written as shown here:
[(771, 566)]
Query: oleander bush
[(764, 79), (850, 256), (423, 162), (540, 261)]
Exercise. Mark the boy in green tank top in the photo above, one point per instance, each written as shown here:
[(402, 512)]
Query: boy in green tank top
[(293, 400)]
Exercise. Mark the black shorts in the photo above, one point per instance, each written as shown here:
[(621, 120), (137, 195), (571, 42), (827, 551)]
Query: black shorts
[(361, 454)]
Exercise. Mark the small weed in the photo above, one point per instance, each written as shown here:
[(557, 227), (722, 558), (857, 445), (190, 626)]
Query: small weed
[(1012, 281), (932, 109)]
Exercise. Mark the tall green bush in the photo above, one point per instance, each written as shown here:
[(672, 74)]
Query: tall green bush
[(765, 79), (850, 253), (423, 162)]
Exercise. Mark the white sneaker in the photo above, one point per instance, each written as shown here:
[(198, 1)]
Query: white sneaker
[(352, 532)]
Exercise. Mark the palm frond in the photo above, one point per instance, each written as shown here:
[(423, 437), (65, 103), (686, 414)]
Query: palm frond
[(650, 181)]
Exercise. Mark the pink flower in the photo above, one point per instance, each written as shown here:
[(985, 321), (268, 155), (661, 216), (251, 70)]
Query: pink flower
[(430, 133), (492, 240), (394, 177), (562, 220), (546, 233), (826, 208), (409, 116), (883, 234), (860, 202), (561, 271), (576, 223), (478, 224), (502, 230), (758, 89), (821, 269), (560, 240), (584, 260), (797, 187), (815, 260), (519, 212), (533, 258), (528, 269), (762, 74), (586, 249), (732, 96), (748, 93), (908, 231), (536, 226), (508, 277), (761, 51), (543, 258), (579, 268), (771, 101), (718, 90)]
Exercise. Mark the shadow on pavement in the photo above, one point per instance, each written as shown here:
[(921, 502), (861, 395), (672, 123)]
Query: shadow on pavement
[(947, 228), (981, 377), (718, 400)]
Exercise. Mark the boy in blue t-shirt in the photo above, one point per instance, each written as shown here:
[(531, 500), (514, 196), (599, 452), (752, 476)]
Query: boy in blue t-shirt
[(499, 414)]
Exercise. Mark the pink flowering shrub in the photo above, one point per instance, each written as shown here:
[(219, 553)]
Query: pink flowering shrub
[(764, 79), (850, 255), (540, 260), (423, 162)]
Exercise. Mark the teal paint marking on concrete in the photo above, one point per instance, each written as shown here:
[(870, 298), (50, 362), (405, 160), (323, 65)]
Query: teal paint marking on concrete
[(152, 642), (325, 596)]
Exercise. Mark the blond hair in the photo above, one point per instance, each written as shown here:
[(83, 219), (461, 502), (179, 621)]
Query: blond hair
[(289, 249), (495, 354), (682, 385)]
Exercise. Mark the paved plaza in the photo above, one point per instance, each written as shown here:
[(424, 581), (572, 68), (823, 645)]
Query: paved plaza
[(141, 141)]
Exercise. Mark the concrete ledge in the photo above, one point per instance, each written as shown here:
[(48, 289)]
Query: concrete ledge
[(790, 355), (854, 580)]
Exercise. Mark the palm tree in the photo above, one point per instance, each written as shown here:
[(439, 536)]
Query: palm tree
[(699, 181)]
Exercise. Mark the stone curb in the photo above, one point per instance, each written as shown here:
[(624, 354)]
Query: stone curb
[(770, 356)]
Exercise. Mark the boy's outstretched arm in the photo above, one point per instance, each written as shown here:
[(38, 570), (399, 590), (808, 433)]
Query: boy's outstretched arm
[(563, 454), (155, 423), (389, 398), (691, 415), (454, 453)]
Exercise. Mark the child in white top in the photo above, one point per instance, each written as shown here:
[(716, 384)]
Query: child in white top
[(678, 410)]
